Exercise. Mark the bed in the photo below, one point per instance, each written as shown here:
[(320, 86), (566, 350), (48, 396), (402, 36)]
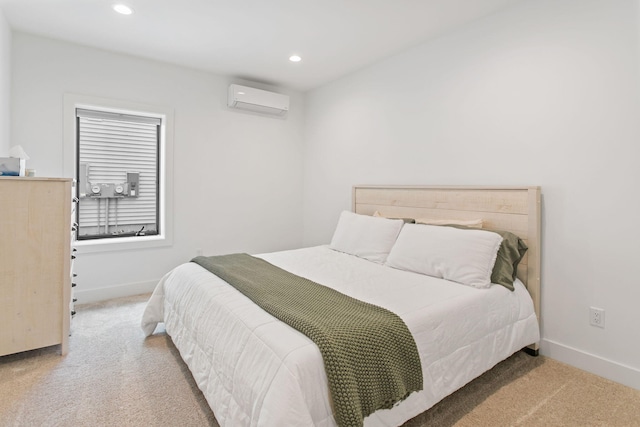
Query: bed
[(257, 371)]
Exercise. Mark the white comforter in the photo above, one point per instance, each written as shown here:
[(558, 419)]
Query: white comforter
[(257, 371)]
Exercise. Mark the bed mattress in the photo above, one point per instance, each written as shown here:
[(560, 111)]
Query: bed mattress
[(257, 371)]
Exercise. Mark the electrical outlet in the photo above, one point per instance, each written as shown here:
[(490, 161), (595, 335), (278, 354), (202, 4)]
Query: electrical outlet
[(596, 317)]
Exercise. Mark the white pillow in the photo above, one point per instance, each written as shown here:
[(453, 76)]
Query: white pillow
[(463, 256), (365, 236)]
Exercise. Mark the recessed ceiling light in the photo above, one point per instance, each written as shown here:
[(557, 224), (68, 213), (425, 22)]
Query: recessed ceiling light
[(295, 58), (123, 9)]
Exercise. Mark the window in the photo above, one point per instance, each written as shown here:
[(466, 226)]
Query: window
[(117, 174), (120, 154)]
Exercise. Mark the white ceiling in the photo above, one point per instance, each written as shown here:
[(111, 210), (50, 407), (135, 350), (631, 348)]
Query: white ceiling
[(251, 39)]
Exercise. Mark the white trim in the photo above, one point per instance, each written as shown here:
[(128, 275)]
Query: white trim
[(73, 101), (119, 291), (122, 243), (597, 365)]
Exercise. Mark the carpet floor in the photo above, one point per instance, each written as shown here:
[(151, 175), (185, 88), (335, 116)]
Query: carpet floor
[(114, 376)]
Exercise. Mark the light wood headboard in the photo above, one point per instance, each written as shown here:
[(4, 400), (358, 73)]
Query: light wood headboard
[(514, 209)]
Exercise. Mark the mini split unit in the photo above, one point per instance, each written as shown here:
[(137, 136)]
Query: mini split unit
[(257, 100)]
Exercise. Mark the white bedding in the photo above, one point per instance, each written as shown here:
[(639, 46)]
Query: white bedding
[(257, 371)]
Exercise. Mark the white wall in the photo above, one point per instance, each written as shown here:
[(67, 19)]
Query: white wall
[(237, 176), (5, 85), (544, 93)]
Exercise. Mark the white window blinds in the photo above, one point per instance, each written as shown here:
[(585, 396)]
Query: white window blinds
[(112, 148)]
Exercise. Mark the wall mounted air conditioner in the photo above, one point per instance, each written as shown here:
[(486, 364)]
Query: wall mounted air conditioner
[(257, 100)]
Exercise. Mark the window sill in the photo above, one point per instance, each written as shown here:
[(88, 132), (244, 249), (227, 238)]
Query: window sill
[(121, 243)]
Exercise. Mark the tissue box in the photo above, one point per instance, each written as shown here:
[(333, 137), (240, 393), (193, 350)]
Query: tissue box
[(11, 166)]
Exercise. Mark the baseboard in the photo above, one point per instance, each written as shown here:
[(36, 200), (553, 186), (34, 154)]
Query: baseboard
[(597, 365), (102, 294)]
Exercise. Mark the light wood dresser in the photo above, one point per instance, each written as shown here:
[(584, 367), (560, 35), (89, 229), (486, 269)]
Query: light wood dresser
[(35, 263)]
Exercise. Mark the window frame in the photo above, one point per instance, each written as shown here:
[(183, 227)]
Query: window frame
[(165, 166)]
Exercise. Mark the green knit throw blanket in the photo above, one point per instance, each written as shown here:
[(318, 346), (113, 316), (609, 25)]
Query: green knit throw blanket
[(370, 357)]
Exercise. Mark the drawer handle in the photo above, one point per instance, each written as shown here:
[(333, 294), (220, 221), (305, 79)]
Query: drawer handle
[(73, 285)]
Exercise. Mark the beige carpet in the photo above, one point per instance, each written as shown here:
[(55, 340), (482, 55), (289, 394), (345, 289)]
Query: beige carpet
[(113, 376)]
